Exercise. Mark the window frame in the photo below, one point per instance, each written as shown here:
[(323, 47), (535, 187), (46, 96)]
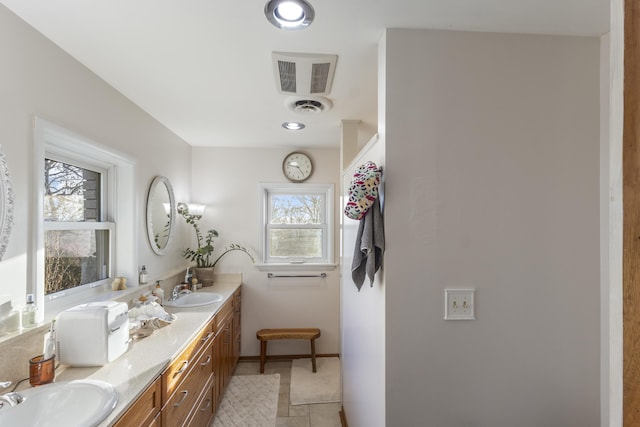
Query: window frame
[(106, 222), (119, 200), (266, 190)]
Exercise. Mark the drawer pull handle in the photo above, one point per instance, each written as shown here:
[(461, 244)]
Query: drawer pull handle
[(184, 366), (184, 397), (205, 338), (206, 362), (206, 407)]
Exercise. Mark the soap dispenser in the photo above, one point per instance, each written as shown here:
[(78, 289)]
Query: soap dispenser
[(143, 277), (159, 292)]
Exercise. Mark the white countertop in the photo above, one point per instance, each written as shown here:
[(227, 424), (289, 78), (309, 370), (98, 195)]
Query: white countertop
[(147, 358)]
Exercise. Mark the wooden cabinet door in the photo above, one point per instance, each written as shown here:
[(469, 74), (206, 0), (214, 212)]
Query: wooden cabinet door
[(145, 409)]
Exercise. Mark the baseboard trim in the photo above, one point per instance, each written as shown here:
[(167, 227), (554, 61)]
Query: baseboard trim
[(284, 357), (343, 417)]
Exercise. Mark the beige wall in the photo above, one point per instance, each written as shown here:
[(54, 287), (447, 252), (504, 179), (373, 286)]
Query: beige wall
[(492, 182), (226, 180)]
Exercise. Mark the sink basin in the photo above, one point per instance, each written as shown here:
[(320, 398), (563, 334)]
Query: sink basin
[(79, 403), (196, 299)]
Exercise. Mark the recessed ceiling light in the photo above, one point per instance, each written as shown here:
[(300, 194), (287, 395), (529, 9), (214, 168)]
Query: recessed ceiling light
[(293, 125), (289, 14)]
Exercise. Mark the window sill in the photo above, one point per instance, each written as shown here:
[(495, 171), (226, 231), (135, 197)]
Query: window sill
[(296, 267), (103, 293)]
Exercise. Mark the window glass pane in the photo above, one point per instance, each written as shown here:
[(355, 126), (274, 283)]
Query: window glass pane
[(297, 209), (301, 243), (74, 258), (72, 193)]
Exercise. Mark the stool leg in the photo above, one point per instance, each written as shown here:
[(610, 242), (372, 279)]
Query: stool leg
[(313, 355), (263, 355)]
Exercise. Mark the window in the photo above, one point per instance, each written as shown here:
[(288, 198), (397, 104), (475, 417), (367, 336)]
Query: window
[(297, 224), (76, 233), (85, 222)]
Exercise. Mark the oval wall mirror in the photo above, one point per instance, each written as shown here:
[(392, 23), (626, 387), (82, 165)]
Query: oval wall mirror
[(161, 213), (6, 204)]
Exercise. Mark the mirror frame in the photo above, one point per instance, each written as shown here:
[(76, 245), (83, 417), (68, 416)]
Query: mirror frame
[(6, 208), (157, 181)]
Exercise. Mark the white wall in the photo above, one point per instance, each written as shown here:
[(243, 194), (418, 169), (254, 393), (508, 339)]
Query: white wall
[(362, 317), (226, 180), (37, 78), (492, 182)]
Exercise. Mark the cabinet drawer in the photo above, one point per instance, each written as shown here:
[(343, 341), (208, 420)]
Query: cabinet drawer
[(204, 366), (181, 403), (183, 364), (205, 408), (144, 410), (179, 406)]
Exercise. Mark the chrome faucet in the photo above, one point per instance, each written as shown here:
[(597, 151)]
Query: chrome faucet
[(11, 399), (175, 292)]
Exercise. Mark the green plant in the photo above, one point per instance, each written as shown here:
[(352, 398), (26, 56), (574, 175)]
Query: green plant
[(203, 254)]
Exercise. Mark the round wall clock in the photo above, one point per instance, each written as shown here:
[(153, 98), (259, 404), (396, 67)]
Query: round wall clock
[(297, 167)]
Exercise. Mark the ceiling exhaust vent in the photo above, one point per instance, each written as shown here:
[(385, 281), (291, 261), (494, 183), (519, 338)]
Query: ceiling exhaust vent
[(304, 73), (314, 105)]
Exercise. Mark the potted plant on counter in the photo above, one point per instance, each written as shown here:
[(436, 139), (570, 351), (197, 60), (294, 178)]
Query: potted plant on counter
[(202, 256)]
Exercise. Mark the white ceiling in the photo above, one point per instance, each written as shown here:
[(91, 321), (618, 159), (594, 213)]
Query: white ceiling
[(203, 67)]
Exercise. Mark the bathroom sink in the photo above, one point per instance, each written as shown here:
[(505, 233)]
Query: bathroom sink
[(79, 403), (195, 299)]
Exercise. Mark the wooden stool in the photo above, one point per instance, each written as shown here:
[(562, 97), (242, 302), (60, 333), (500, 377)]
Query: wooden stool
[(265, 335)]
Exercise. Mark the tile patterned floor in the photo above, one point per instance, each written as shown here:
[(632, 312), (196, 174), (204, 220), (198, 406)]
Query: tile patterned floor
[(318, 415)]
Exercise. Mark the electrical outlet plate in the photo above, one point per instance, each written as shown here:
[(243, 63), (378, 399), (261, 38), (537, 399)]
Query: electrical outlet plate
[(459, 304)]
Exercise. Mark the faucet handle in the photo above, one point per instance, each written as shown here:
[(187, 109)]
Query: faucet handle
[(5, 384)]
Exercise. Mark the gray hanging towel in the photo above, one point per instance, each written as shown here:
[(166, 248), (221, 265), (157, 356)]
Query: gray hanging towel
[(369, 248)]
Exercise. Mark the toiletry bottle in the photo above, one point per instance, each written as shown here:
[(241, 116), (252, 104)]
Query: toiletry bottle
[(29, 313), (159, 292), (143, 275)]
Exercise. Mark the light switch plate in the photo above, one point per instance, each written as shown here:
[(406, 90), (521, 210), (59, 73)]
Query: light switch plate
[(459, 304)]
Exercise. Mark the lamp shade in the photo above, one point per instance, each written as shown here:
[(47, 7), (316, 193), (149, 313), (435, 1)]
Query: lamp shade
[(196, 209)]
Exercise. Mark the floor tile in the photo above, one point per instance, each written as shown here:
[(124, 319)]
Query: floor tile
[(298, 410), (293, 422), (283, 405), (325, 415)]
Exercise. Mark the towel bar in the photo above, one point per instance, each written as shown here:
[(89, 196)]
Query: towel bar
[(271, 275)]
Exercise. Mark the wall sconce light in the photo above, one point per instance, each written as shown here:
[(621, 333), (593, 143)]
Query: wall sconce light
[(193, 209)]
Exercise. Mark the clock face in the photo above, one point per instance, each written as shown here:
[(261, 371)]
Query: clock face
[(297, 166)]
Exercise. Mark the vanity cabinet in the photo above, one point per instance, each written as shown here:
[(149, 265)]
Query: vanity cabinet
[(189, 390), (195, 381)]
